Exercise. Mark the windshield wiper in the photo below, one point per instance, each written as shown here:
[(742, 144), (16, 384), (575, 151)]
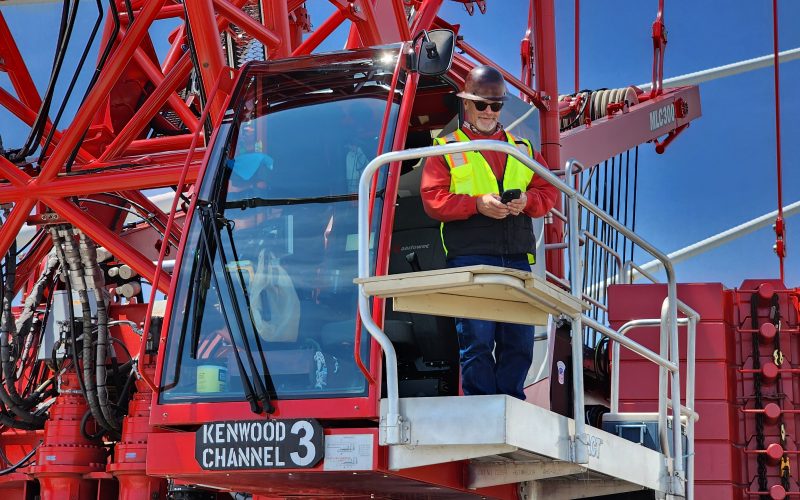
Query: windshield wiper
[(268, 387), (257, 392), (271, 202)]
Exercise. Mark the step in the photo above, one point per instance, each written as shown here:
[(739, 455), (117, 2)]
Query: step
[(511, 441), (479, 292)]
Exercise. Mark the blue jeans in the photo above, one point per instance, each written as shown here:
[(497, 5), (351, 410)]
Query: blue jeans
[(505, 371)]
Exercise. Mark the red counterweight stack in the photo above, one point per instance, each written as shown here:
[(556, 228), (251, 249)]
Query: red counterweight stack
[(717, 457), (768, 382)]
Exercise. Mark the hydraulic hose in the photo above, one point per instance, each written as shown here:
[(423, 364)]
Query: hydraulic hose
[(62, 259), (33, 332), (35, 295), (8, 390), (8, 329), (74, 80), (98, 69), (78, 282), (68, 17), (93, 277), (22, 462)]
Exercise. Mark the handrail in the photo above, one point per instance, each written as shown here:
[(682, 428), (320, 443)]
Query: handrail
[(632, 345), (623, 331), (394, 421), (627, 273), (605, 247)]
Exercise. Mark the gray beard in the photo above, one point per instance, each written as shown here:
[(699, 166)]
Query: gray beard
[(476, 130)]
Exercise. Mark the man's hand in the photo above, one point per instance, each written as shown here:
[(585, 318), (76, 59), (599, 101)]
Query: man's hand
[(490, 206), (515, 207)]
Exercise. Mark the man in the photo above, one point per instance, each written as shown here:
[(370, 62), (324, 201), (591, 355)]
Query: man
[(464, 192)]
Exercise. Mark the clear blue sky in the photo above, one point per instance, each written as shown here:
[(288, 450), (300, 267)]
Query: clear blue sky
[(719, 173)]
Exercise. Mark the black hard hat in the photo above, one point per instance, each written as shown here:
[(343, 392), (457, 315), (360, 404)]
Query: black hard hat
[(484, 83)]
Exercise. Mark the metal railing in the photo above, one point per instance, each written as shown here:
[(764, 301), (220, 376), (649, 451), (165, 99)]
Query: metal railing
[(666, 359), (691, 320)]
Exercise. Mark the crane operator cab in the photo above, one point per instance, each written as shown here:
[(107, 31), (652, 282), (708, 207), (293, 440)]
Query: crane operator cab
[(264, 313), (266, 306)]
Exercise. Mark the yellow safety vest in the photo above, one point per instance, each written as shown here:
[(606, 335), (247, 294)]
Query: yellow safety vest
[(471, 174)]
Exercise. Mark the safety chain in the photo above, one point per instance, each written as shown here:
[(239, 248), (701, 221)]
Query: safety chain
[(760, 442), (778, 359)]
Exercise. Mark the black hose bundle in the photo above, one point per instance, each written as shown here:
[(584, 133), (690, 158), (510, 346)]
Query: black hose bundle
[(77, 279), (94, 280), (68, 16), (82, 277), (14, 344)]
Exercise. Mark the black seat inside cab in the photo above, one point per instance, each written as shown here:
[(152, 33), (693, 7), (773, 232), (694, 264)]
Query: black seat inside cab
[(427, 345)]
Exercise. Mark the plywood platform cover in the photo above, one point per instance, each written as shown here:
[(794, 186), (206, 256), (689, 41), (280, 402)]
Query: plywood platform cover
[(479, 292)]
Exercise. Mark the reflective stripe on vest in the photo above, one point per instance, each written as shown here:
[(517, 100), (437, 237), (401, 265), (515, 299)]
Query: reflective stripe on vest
[(471, 174)]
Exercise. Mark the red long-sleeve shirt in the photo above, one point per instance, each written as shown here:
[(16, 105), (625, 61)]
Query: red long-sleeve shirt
[(442, 205)]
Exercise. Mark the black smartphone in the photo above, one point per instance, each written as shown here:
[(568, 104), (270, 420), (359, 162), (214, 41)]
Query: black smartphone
[(510, 194)]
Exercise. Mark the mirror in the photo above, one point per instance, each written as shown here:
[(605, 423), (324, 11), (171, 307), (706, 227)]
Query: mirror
[(435, 52)]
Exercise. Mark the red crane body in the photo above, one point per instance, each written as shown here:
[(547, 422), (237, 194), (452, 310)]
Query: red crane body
[(152, 359)]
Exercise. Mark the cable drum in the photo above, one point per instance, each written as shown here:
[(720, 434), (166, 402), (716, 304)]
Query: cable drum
[(597, 102), (602, 98)]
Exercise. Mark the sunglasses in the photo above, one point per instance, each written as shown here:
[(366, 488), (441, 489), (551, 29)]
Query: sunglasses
[(481, 105)]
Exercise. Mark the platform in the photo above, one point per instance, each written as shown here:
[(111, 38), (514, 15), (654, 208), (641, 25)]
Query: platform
[(511, 441), (479, 292)]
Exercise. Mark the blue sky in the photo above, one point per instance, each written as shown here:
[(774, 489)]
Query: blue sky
[(721, 172)]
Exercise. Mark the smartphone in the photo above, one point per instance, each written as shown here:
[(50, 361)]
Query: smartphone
[(510, 194)]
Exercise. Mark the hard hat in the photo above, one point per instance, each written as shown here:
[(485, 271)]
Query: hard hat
[(484, 83)]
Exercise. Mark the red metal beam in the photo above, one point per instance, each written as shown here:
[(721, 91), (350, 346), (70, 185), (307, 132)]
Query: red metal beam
[(426, 15), (28, 116), (175, 51), (14, 65), (205, 35), (159, 145), (176, 103), (17, 177), (369, 32), (166, 12), (320, 34), (400, 18), (111, 241), (76, 185), (10, 228), (544, 29), (276, 19), (148, 109), (247, 23), (111, 72)]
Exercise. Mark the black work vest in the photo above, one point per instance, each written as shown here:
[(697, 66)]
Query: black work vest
[(481, 235)]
